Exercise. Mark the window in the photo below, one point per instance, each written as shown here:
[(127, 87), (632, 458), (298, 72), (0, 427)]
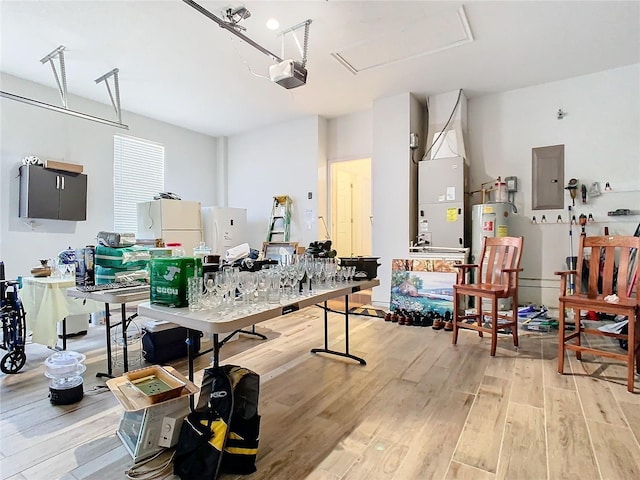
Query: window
[(138, 175)]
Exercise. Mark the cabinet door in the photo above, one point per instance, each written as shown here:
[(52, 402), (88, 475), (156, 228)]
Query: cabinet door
[(38, 192), (73, 197)]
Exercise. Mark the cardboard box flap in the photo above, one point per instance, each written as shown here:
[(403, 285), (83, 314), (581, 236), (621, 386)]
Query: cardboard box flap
[(63, 166), (133, 399)]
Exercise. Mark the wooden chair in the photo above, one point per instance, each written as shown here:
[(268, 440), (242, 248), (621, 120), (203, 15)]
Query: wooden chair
[(496, 277), (612, 268)]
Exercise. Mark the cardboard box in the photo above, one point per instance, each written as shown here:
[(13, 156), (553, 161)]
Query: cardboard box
[(63, 166), (133, 398)]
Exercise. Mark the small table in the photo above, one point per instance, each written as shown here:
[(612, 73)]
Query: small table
[(46, 304), (121, 296)]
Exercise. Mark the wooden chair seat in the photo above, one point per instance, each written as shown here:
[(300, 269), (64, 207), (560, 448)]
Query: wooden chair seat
[(496, 278), (612, 267), (472, 289), (587, 302)]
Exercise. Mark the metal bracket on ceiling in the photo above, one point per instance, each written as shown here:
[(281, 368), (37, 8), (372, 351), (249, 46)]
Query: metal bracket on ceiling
[(115, 102), (61, 79), (303, 49)]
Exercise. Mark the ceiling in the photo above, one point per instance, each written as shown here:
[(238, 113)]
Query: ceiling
[(178, 66)]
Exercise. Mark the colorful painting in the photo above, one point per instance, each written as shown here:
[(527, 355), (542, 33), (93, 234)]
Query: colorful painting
[(423, 285)]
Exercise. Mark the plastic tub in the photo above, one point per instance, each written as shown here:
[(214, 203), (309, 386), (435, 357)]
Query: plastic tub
[(367, 265)]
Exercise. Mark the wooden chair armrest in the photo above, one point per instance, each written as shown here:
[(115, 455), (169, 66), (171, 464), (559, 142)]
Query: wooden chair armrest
[(463, 268), (466, 265), (563, 279), (564, 273)]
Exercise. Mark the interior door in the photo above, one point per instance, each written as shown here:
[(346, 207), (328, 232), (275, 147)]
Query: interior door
[(343, 209), (351, 207)]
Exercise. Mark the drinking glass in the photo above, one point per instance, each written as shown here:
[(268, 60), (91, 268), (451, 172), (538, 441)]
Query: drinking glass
[(300, 273), (194, 293), (310, 270)]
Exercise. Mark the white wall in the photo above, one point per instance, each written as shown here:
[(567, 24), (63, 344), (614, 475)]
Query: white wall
[(28, 130), (282, 159), (350, 136), (393, 191), (601, 134)]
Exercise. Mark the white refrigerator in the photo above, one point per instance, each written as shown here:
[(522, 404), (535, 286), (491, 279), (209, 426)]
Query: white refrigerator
[(170, 221), (224, 228)]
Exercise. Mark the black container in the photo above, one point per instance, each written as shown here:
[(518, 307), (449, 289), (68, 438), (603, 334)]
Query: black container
[(367, 265), (167, 345), (66, 396)]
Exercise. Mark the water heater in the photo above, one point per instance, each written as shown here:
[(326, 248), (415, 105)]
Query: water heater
[(490, 220)]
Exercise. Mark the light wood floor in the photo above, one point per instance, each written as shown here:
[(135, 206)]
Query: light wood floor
[(420, 409)]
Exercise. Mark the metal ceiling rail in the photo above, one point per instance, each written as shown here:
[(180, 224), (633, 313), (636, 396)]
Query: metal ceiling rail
[(61, 80), (230, 28), (37, 103)]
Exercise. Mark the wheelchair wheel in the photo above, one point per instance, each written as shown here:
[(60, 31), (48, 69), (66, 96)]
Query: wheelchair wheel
[(14, 331), (12, 362)]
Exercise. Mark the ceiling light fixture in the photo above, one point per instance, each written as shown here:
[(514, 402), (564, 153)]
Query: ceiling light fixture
[(273, 24), (287, 73)]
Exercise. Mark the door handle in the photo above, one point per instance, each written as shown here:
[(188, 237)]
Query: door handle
[(57, 182), (62, 182)]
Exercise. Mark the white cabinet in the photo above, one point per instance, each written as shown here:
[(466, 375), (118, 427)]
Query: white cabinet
[(170, 221)]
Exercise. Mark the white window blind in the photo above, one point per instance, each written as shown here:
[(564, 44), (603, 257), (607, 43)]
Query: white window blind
[(138, 175)]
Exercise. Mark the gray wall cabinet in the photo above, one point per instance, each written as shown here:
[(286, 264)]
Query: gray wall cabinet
[(52, 194)]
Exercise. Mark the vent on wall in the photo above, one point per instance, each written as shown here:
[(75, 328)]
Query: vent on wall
[(441, 31)]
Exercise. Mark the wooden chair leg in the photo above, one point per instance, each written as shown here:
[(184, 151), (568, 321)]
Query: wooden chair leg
[(576, 319), (637, 343), (479, 313), (631, 350), (561, 324), (494, 325), (456, 314), (514, 318)]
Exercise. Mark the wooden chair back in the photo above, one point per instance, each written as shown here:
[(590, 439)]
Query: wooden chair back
[(498, 254), (612, 263)]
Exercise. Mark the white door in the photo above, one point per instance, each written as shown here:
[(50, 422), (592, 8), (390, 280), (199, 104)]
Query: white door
[(351, 207)]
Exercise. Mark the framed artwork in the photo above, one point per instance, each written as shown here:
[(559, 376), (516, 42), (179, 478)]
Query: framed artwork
[(423, 285), (275, 250)]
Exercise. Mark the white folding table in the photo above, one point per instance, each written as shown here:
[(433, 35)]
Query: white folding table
[(121, 296), (216, 324)]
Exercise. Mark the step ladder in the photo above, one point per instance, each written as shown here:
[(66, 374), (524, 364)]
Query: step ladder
[(280, 223)]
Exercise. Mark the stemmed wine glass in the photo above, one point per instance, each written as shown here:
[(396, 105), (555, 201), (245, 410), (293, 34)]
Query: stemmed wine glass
[(310, 270), (300, 272)]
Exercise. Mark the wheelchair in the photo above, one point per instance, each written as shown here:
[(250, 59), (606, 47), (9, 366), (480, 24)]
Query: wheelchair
[(14, 327)]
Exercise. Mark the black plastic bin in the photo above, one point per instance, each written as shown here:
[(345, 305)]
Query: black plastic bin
[(367, 265)]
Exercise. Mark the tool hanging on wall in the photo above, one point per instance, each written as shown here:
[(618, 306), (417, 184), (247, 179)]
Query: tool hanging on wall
[(572, 262), (583, 192), (573, 190), (583, 222)]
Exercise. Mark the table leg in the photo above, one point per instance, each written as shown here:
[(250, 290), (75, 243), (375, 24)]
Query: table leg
[(252, 332), (107, 326), (125, 349), (346, 326), (190, 356), (64, 333)]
